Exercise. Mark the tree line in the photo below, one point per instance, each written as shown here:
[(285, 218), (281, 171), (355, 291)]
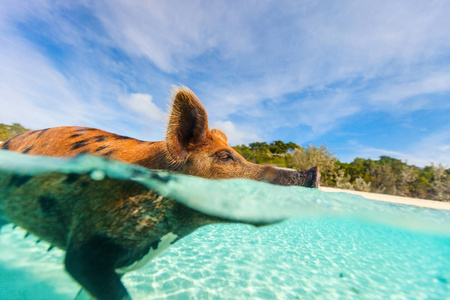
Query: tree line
[(386, 175)]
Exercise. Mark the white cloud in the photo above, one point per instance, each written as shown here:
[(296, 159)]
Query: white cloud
[(321, 114), (39, 93), (303, 40), (33, 92), (434, 147), (170, 33), (143, 104), (393, 93), (236, 136)]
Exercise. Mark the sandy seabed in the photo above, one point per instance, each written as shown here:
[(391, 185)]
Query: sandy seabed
[(393, 199)]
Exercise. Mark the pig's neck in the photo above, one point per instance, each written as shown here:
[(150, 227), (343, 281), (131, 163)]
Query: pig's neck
[(158, 157)]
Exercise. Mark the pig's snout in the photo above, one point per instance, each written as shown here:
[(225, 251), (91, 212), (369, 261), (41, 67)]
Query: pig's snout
[(309, 178)]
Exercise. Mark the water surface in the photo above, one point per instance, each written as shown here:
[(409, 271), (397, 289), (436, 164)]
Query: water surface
[(328, 246)]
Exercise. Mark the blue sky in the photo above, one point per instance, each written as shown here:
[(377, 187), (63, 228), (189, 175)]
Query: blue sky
[(368, 78)]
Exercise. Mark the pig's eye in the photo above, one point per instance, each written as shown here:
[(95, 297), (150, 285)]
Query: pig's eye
[(225, 156)]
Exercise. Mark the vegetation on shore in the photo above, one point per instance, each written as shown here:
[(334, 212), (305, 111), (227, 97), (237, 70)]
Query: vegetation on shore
[(8, 131), (386, 175)]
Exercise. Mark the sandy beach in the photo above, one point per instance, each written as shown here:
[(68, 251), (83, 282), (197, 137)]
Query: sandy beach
[(393, 199)]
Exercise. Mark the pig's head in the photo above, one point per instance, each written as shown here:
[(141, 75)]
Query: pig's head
[(195, 150)]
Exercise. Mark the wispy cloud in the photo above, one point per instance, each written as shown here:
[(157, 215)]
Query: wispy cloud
[(236, 136), (257, 51), (30, 87), (299, 40), (432, 148), (171, 33), (41, 89), (395, 93), (142, 104)]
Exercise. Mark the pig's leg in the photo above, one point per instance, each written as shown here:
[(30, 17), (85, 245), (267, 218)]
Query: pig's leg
[(3, 221), (92, 264)]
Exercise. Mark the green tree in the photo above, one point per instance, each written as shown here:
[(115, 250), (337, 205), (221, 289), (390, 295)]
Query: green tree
[(245, 152), (383, 179), (305, 158), (440, 184), (342, 180), (362, 185), (279, 147), (407, 178)]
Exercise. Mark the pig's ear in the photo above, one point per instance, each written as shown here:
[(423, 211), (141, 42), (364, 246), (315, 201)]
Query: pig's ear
[(220, 134), (188, 123)]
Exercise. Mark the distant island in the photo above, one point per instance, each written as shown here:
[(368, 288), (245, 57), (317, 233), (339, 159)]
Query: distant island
[(387, 175)]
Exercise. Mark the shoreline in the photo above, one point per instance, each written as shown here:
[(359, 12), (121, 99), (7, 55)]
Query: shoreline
[(393, 199)]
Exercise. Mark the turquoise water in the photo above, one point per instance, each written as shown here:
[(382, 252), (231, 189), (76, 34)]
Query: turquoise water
[(329, 246)]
